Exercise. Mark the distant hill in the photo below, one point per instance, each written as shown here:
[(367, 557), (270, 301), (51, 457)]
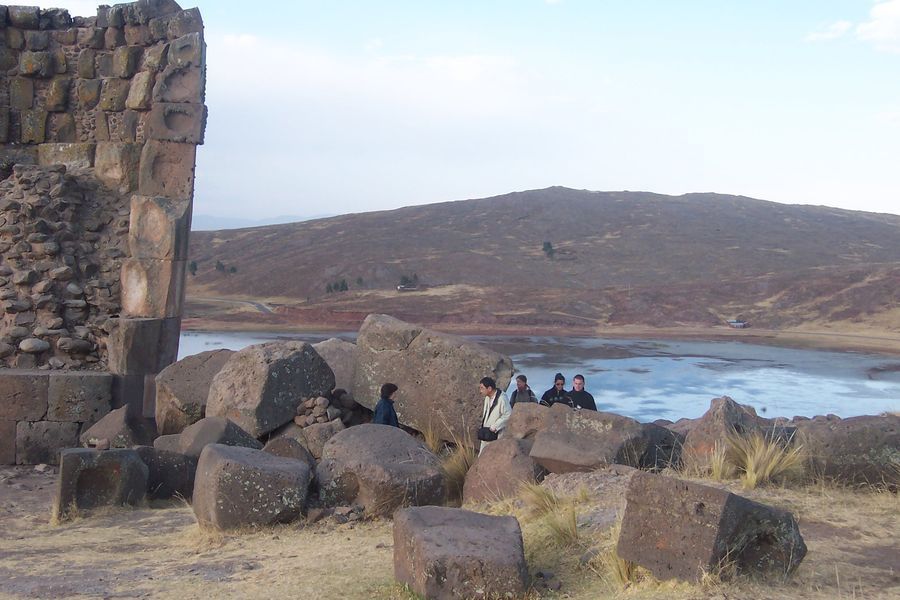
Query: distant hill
[(569, 257), (215, 223)]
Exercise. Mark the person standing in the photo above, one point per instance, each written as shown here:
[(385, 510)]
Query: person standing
[(557, 394), (522, 393), (495, 414), (384, 410), (580, 397)]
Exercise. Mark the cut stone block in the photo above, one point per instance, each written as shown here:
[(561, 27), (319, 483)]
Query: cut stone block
[(177, 122), (239, 487), (36, 64), (87, 93), (7, 442), (80, 397), (4, 125), (23, 395), (187, 51), (170, 474), (213, 430), (113, 94), (141, 91), (167, 169), (180, 84), (21, 93), (182, 389), (73, 156), (159, 228), (142, 346), (90, 37), (286, 447), (126, 60), (34, 126), (152, 288), (24, 17), (682, 530), (85, 65), (58, 95), (116, 164), (41, 442), (185, 22), (448, 553), (500, 471), (92, 478), (120, 430), (341, 357)]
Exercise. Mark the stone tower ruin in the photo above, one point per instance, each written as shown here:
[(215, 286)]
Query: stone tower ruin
[(99, 121)]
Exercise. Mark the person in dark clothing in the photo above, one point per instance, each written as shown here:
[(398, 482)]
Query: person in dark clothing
[(522, 393), (580, 398), (384, 410), (557, 394)]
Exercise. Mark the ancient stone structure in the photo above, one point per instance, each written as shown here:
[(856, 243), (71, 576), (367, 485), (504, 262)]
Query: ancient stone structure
[(99, 121)]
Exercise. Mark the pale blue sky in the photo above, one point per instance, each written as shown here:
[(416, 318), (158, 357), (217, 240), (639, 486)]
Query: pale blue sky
[(332, 106)]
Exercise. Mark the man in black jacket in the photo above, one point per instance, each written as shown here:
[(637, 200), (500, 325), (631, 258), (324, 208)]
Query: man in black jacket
[(522, 393), (580, 398), (558, 393)]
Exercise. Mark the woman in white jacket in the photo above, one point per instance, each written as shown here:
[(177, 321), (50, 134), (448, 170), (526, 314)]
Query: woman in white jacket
[(496, 408)]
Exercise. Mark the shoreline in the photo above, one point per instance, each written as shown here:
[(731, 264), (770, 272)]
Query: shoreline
[(808, 340)]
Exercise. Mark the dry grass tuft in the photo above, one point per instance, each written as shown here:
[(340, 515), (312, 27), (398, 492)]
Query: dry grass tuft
[(538, 499), (432, 439), (614, 570), (562, 525), (456, 464), (761, 460), (720, 468)]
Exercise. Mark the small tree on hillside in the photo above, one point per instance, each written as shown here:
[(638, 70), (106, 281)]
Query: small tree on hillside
[(344, 287), (192, 267), (548, 250)]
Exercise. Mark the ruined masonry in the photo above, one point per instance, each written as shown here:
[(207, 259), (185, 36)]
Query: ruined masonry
[(99, 122)]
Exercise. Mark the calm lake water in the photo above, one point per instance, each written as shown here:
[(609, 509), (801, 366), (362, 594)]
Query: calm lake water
[(650, 379)]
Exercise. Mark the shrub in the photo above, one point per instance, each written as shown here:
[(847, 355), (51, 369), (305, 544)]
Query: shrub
[(760, 459)]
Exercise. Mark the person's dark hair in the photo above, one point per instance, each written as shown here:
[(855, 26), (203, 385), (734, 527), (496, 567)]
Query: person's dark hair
[(522, 378), (558, 377), (388, 389), (488, 382), (579, 376)]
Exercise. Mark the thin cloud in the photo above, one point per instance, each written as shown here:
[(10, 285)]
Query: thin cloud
[(883, 27), (832, 32)]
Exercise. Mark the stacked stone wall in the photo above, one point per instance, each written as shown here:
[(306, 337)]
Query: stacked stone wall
[(100, 117)]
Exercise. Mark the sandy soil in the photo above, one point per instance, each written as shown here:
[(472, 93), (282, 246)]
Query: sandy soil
[(159, 552)]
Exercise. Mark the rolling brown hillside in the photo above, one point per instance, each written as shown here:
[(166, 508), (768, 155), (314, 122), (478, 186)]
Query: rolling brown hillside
[(619, 258)]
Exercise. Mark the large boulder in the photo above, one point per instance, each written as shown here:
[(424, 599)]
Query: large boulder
[(93, 478), (437, 374), (239, 487), (170, 474), (380, 468), (211, 430), (119, 429), (724, 417), (286, 447), (857, 450), (341, 357), (682, 530), (183, 387), (449, 553), (567, 439), (313, 437), (260, 387), (500, 471)]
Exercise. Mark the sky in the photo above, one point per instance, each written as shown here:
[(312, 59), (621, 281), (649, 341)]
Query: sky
[(340, 106)]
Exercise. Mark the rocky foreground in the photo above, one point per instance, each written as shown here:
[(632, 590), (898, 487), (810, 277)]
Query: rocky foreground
[(264, 438)]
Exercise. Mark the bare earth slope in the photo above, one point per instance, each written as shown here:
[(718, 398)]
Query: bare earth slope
[(620, 258)]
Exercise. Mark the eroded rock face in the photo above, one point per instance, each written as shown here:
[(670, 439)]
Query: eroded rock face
[(857, 450), (681, 530), (183, 387), (239, 487), (437, 374), (93, 478), (500, 471), (380, 468), (260, 387), (450, 553)]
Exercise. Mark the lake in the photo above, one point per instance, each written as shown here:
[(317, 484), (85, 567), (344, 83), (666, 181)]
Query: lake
[(656, 379)]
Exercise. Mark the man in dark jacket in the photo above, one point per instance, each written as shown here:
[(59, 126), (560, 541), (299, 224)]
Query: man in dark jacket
[(384, 410), (580, 398), (558, 393), (522, 393)]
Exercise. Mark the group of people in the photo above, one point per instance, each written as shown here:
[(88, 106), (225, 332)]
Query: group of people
[(497, 406)]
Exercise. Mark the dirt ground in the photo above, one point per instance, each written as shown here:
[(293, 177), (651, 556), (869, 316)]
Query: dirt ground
[(159, 552)]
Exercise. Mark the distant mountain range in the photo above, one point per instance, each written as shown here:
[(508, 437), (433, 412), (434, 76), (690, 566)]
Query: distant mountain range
[(216, 223), (560, 256)]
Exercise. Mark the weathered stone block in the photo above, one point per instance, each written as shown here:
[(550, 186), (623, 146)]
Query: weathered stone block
[(286, 447), (117, 164), (7, 442), (61, 128), (65, 37), (87, 92), (24, 17), (113, 94), (141, 346), (152, 288), (92, 478), (90, 37), (180, 84), (170, 473), (15, 39), (23, 395), (211, 430), (167, 169), (59, 61), (681, 530), (141, 91), (126, 60), (114, 37), (500, 471), (4, 125), (156, 58), (21, 93), (447, 553), (138, 35), (58, 94), (41, 442), (120, 430), (341, 357), (37, 40), (159, 228), (187, 51), (312, 437), (36, 64), (177, 122), (81, 397), (182, 389), (85, 65), (238, 487), (73, 156), (185, 22), (34, 126), (145, 10)]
